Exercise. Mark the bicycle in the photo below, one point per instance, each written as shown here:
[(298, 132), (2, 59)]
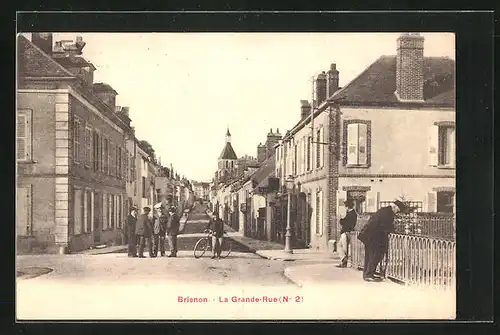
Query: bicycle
[(205, 243)]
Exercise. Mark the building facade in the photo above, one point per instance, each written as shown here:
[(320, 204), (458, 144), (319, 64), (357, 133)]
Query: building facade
[(71, 146), (388, 134)]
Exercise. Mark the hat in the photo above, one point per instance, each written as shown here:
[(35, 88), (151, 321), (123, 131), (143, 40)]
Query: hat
[(401, 205), (147, 208), (133, 208), (349, 203), (172, 209)]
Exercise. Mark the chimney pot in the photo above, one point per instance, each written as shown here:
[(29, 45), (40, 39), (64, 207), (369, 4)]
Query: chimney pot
[(305, 109), (321, 87)]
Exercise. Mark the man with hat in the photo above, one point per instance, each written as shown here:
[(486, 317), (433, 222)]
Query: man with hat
[(173, 223), (375, 237), (144, 230), (131, 225), (348, 222)]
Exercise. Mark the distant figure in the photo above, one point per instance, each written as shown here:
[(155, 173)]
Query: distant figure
[(159, 231), (217, 226), (375, 237), (348, 223), (132, 239), (144, 229), (173, 223)]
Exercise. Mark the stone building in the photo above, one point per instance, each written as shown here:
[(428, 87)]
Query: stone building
[(388, 134), (71, 150)]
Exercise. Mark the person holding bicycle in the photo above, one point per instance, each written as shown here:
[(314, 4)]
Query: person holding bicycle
[(217, 227)]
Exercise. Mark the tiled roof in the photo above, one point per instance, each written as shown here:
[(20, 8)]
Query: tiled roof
[(228, 152), (266, 170), (74, 61), (377, 84), (103, 87), (33, 62)]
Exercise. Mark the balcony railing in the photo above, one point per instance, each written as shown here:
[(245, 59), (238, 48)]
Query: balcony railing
[(414, 260)]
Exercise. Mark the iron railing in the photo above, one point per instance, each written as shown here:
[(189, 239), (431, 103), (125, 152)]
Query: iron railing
[(414, 260)]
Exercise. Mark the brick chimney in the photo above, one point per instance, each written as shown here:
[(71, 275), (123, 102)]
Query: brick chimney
[(305, 109), (320, 88), (272, 140), (106, 93), (44, 41), (333, 80), (409, 67), (261, 153)]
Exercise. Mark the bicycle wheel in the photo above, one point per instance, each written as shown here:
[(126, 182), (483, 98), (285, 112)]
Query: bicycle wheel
[(200, 247), (225, 248)]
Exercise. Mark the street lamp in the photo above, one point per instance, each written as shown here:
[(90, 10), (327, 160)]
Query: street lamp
[(289, 187)]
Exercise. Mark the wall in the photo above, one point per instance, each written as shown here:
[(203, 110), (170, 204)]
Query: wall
[(405, 151)]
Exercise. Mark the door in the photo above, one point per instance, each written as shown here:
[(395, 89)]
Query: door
[(302, 225)]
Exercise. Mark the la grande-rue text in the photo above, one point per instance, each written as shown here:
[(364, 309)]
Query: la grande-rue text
[(236, 299)]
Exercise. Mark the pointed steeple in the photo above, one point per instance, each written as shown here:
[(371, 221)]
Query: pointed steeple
[(228, 136)]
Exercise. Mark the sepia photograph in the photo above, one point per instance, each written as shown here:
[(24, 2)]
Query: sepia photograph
[(235, 176)]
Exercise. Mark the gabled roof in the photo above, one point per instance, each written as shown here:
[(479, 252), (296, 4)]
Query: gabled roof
[(33, 62), (376, 85), (228, 152), (266, 170)]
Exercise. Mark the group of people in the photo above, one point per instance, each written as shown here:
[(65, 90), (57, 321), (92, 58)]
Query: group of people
[(152, 229), (374, 235)]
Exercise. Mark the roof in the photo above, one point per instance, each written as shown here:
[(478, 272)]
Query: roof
[(266, 170), (103, 87), (228, 152), (33, 62), (74, 62), (377, 83)]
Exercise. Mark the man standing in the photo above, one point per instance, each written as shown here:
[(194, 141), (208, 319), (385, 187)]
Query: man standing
[(375, 237), (144, 229), (159, 231), (217, 226), (132, 240), (173, 223), (348, 223)]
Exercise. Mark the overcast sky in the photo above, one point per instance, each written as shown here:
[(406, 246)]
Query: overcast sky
[(184, 89)]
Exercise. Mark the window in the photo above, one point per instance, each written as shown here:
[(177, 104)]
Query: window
[(120, 211), (132, 168), (357, 144), (295, 159), (78, 211), (319, 212), (111, 155), (94, 207), (88, 146), (105, 211), (144, 187), (445, 202), (24, 206), (319, 148), (96, 151), (111, 204), (24, 134), (358, 197), (119, 162), (309, 153), (105, 155), (76, 141), (442, 144)]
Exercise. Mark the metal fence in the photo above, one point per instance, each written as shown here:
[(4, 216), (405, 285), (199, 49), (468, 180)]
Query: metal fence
[(433, 225), (414, 260)]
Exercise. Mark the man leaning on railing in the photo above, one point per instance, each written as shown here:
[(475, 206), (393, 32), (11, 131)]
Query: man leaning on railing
[(375, 237), (348, 222)]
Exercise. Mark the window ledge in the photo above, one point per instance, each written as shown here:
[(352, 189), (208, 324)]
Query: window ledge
[(446, 167), (28, 161), (364, 166)]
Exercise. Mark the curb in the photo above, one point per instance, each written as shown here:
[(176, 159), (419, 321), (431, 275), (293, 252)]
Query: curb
[(286, 273)]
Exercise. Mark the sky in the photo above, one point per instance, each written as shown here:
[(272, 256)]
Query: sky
[(185, 89)]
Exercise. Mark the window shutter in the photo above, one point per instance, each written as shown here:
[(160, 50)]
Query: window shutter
[(372, 201), (431, 202), (352, 144), (362, 143), (104, 211), (81, 142), (320, 213), (341, 209), (93, 214), (78, 226), (433, 145), (452, 146), (322, 147), (22, 131)]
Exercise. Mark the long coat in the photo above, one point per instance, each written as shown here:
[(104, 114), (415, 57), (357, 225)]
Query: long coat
[(144, 226), (160, 225), (131, 222), (349, 222), (173, 224), (375, 232)]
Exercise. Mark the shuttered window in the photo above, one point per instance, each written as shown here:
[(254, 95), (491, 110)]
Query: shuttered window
[(88, 147), (319, 147), (23, 135), (106, 156), (357, 143), (76, 141), (319, 213), (78, 211)]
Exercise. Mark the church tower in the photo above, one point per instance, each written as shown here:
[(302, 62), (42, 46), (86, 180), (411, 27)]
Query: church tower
[(227, 163)]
